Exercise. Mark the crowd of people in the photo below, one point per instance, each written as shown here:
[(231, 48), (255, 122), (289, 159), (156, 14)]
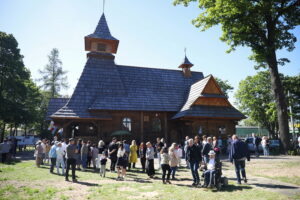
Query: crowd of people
[(198, 152), (71, 155)]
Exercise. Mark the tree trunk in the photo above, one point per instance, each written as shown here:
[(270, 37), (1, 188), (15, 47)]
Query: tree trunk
[(16, 130), (281, 105), (11, 131), (2, 133)]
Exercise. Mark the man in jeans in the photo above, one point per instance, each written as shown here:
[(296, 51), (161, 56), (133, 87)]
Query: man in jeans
[(52, 156), (238, 154), (71, 159), (194, 157)]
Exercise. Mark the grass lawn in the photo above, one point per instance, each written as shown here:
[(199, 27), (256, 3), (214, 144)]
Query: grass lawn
[(283, 168), (22, 180)]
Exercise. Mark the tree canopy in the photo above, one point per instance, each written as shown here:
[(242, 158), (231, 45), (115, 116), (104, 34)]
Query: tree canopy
[(19, 96), (256, 101)]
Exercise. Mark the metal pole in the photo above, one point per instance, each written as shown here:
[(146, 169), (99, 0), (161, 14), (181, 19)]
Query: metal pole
[(291, 116)]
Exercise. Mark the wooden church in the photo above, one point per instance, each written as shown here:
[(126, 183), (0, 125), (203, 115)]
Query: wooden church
[(147, 102)]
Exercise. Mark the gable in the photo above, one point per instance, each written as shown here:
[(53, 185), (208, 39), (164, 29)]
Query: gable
[(212, 87), (207, 101)]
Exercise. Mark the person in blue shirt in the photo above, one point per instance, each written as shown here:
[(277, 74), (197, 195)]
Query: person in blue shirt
[(52, 156), (238, 154)]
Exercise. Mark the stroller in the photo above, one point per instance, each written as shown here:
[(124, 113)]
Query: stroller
[(218, 181)]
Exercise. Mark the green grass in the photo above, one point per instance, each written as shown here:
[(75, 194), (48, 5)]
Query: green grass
[(24, 181), (294, 180), (280, 171)]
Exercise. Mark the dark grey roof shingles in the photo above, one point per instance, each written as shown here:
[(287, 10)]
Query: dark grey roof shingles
[(211, 112), (102, 30), (54, 105), (106, 86)]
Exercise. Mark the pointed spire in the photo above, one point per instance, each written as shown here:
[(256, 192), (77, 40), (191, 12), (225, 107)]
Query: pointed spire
[(102, 30), (186, 63)]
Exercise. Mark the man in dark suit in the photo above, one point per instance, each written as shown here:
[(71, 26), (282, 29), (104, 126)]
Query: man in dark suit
[(238, 154)]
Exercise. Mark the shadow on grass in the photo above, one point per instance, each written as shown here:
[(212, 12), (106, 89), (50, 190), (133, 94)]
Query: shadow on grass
[(228, 188), (86, 183), (233, 188), (12, 162), (274, 186)]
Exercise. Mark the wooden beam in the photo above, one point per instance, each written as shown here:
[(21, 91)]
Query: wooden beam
[(166, 126), (142, 126)]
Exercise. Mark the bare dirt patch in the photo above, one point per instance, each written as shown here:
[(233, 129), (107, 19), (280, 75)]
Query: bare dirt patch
[(145, 195)]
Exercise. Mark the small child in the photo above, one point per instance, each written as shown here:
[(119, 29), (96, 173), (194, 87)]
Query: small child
[(103, 161), (165, 159), (179, 155)]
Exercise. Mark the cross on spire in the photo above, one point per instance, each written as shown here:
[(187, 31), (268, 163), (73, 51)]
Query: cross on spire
[(103, 1)]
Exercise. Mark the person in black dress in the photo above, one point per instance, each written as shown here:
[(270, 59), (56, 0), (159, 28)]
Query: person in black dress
[(142, 154), (112, 153)]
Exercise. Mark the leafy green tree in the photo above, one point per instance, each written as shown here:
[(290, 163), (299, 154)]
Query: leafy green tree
[(53, 77), (249, 122), (265, 27), (256, 101), (12, 77), (291, 86), (224, 85)]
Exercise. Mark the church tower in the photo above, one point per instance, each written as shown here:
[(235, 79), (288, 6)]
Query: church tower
[(186, 67), (101, 42)]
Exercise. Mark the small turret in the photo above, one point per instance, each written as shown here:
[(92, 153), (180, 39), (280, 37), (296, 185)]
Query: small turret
[(101, 41), (186, 67)]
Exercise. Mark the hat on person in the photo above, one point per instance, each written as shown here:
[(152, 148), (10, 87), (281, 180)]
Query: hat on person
[(212, 152), (71, 139)]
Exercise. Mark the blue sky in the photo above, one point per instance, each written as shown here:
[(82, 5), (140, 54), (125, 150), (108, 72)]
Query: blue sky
[(151, 33)]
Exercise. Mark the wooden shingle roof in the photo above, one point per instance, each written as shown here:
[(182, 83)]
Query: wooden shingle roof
[(54, 105), (103, 85), (207, 91)]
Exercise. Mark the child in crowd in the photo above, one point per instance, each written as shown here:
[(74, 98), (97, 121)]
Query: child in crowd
[(179, 155), (103, 161), (165, 159)]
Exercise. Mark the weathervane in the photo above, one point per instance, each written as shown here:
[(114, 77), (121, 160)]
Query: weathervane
[(103, 5), (184, 51)]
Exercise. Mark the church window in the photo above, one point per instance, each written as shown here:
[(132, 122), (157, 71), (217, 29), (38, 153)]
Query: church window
[(127, 123), (222, 130), (156, 124), (101, 47)]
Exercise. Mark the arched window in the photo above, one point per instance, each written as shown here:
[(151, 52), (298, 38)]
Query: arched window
[(222, 130), (156, 124), (91, 129), (127, 123)]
